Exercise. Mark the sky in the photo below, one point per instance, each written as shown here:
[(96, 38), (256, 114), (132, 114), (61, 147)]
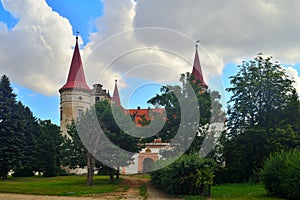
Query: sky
[(144, 44)]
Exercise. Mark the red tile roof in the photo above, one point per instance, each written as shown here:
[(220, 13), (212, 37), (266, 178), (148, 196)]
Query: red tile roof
[(197, 71), (116, 97), (76, 77), (139, 113)]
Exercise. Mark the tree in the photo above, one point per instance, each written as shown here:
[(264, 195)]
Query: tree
[(281, 176), (86, 141), (26, 144), (188, 175), (258, 123), (208, 106), (11, 134), (291, 114), (29, 126), (73, 150), (49, 154), (260, 92)]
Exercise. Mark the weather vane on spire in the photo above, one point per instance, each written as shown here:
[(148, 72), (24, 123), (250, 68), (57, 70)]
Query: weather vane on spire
[(197, 42), (77, 33)]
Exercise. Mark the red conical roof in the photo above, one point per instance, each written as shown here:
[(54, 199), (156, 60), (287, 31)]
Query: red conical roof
[(197, 71), (76, 78), (116, 97)]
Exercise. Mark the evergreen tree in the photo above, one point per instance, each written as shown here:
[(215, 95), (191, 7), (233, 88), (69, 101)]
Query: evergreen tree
[(29, 126), (49, 154), (11, 135)]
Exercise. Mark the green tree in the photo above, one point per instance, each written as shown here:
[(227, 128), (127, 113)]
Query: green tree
[(258, 119), (281, 175), (49, 154), (260, 92), (86, 140), (11, 135), (209, 109), (29, 126), (291, 114), (188, 175)]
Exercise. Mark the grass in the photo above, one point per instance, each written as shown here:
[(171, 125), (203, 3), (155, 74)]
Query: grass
[(143, 176), (57, 186), (143, 191), (75, 186), (237, 192)]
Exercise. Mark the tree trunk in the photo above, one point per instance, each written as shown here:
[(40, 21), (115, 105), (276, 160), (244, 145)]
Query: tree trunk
[(209, 192), (4, 177), (90, 169), (118, 173), (111, 176)]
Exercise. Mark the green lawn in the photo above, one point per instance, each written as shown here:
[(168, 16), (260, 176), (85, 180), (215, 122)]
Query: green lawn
[(237, 192), (75, 186), (58, 186)]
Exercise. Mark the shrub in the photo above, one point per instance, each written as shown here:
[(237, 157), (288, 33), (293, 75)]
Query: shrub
[(187, 175), (281, 174), (25, 172)]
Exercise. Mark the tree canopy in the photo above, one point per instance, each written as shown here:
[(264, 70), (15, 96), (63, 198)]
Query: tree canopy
[(262, 115), (27, 145), (96, 135), (207, 105)]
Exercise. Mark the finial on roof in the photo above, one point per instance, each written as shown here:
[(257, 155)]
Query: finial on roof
[(77, 33), (197, 42)]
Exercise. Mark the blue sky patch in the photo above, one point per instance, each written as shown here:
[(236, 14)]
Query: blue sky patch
[(7, 18)]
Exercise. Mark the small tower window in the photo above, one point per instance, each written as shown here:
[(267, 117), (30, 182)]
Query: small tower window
[(97, 99), (80, 98), (61, 113), (79, 112)]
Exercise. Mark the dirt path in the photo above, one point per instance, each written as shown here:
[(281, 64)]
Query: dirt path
[(129, 189), (154, 193)]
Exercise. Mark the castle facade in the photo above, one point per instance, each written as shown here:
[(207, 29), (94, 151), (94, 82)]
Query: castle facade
[(76, 97)]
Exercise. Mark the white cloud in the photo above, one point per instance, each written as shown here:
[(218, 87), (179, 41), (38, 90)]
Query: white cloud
[(229, 31), (235, 29), (293, 73), (37, 51), (155, 54)]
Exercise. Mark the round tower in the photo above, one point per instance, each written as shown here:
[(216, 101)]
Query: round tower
[(75, 95)]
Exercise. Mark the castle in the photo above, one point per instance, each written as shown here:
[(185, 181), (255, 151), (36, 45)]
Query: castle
[(76, 97)]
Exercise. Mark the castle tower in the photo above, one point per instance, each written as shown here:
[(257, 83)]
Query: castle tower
[(116, 97), (99, 94), (197, 71), (75, 95)]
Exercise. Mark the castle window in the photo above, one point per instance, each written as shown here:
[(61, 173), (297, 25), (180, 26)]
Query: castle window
[(97, 99), (61, 114), (79, 112), (80, 98)]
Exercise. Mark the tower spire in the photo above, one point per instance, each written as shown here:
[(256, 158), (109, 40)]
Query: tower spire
[(197, 71), (76, 77), (116, 97)]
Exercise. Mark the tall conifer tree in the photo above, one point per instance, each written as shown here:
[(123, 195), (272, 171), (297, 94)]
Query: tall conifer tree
[(11, 135)]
